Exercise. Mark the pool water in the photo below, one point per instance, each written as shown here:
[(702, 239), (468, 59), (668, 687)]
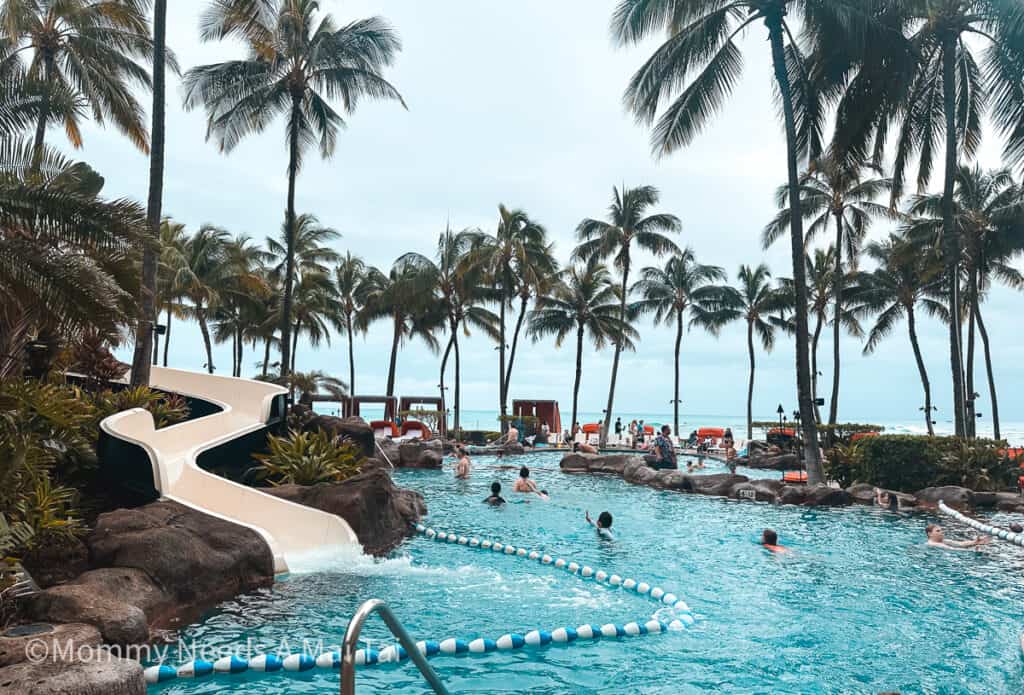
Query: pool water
[(861, 605)]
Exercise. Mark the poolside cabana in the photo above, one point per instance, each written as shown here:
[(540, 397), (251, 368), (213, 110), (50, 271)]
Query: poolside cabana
[(428, 403), (350, 407), (535, 413)]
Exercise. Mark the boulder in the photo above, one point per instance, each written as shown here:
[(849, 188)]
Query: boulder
[(576, 463), (674, 480), (757, 490), (954, 496), (105, 676), (825, 496), (58, 559), (420, 454), (61, 638), (984, 499), (355, 429), (381, 513), (196, 559), (861, 493), (629, 471), (389, 448), (792, 494), (717, 484), (115, 600), (513, 449), (642, 475), (614, 464), (1009, 502)]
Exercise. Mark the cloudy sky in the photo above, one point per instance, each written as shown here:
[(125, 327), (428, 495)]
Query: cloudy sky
[(520, 103)]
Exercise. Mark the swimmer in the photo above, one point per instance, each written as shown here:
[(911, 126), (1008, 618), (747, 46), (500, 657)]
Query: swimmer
[(937, 539), (583, 448), (462, 467), (603, 523), (887, 500), (770, 540), (495, 500), (523, 483)]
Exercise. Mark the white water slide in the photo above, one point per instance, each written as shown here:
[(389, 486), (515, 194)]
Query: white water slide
[(288, 528)]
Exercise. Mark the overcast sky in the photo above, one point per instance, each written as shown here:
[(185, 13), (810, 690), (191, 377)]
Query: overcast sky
[(520, 103)]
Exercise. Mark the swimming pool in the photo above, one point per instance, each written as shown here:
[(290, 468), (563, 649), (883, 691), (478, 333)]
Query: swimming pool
[(861, 605)]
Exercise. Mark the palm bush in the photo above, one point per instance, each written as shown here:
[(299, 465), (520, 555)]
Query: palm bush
[(307, 458)]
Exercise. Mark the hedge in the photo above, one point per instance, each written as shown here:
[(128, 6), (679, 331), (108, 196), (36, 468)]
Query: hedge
[(909, 463)]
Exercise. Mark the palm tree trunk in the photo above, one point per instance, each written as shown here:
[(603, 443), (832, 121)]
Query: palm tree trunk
[(167, 338), (156, 349), (970, 407), (501, 366), (814, 364), (394, 356), (675, 397), (515, 341), (241, 350), (988, 369), (295, 343), (912, 329), (458, 383), (201, 316), (618, 350), (144, 334), (579, 374), (289, 260), (351, 367), (950, 236), (812, 463), (837, 291), (234, 353), (750, 383), (266, 354), (444, 365)]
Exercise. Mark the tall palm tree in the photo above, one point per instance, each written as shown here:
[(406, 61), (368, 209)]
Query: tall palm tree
[(173, 240), (584, 300), (459, 287), (518, 246), (904, 280), (87, 50), (669, 293), (628, 222), (295, 66), (941, 87), (757, 303), (404, 296), (67, 256), (311, 251), (834, 191), (315, 309), (243, 285), (349, 278), (987, 212), (144, 329), (700, 45), (202, 278)]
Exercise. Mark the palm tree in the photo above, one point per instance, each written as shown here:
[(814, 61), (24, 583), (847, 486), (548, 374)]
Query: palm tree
[(758, 304), (942, 88), (987, 211), (144, 329), (700, 42), (682, 286), (315, 309), (349, 276), (904, 280), (82, 51), (243, 286), (294, 67), (517, 249), (834, 191), (310, 385), (404, 296), (310, 253), (458, 286), (202, 278), (626, 223), (173, 241), (584, 300), (67, 261)]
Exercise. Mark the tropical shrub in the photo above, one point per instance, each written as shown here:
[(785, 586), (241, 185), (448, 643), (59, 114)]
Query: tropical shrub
[(166, 408), (307, 458), (91, 358), (909, 463)]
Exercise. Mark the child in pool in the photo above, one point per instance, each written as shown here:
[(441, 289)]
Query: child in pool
[(770, 540), (495, 500), (603, 524)]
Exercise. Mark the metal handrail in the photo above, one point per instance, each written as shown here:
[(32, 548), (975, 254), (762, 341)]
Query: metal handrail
[(381, 450), (348, 647)]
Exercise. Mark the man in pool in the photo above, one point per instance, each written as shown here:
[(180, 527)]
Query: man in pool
[(462, 466), (523, 483), (770, 540), (664, 453), (583, 448), (937, 539), (603, 523), (495, 500)]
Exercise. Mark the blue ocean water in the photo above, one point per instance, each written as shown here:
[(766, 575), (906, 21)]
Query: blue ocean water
[(861, 605)]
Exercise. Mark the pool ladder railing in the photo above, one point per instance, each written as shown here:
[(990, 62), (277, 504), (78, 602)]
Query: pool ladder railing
[(355, 627)]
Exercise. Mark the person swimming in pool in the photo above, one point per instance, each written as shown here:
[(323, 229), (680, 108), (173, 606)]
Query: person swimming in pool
[(583, 448), (463, 465), (495, 500), (524, 484), (937, 539), (770, 540), (603, 523)]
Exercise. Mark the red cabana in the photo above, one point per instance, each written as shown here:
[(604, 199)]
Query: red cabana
[(413, 427), (350, 407), (384, 428), (429, 403), (545, 411)]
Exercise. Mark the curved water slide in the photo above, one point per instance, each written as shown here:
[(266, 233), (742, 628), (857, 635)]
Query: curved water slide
[(288, 528)]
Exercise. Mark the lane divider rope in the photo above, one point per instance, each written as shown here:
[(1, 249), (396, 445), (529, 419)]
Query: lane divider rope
[(451, 646), (1001, 533)]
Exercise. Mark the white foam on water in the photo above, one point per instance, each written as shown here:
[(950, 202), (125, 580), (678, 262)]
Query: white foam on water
[(350, 559)]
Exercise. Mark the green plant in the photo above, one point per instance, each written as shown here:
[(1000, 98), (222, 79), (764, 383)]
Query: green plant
[(48, 510), (166, 408), (307, 458)]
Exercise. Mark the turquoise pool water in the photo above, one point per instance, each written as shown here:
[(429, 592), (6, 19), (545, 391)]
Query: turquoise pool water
[(860, 606)]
